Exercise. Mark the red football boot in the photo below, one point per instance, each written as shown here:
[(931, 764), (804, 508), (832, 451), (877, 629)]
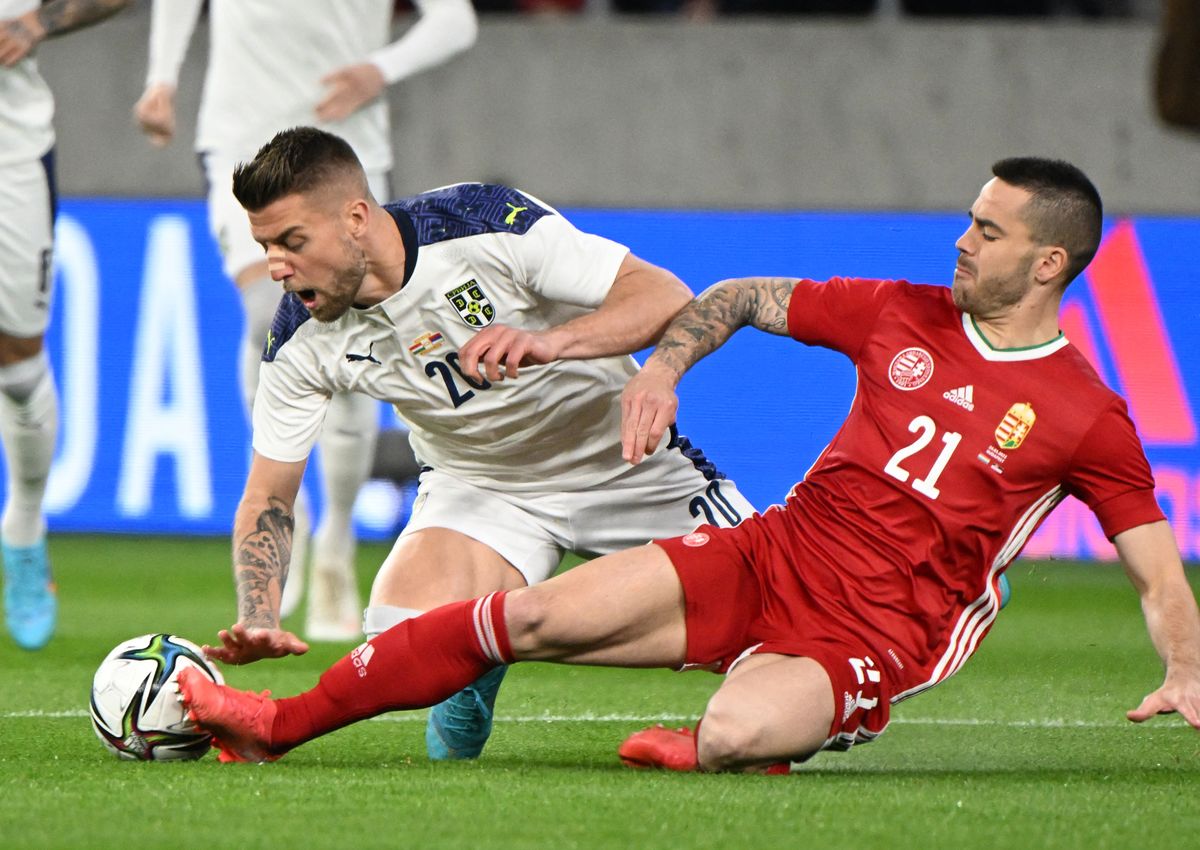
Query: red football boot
[(239, 721), (658, 746), (673, 749)]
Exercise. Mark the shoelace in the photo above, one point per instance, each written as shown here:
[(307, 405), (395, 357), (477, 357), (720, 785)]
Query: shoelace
[(459, 718)]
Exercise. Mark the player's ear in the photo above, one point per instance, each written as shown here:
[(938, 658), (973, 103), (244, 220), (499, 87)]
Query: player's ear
[(357, 213), (1050, 263)]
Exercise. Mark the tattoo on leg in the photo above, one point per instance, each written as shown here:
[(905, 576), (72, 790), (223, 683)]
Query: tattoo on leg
[(262, 558)]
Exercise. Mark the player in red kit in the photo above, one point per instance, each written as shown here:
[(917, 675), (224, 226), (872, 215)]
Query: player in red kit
[(879, 576)]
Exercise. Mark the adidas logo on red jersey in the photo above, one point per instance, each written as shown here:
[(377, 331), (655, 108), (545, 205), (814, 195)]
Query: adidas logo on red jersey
[(964, 397)]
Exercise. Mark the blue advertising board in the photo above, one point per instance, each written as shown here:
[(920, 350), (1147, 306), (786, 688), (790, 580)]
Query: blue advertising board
[(145, 334)]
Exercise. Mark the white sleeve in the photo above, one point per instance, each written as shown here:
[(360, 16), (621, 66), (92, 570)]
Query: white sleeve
[(171, 26), (445, 27), (288, 412), (562, 263)]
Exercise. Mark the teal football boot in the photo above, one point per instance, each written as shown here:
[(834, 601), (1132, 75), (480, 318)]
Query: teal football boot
[(459, 727), (30, 604)]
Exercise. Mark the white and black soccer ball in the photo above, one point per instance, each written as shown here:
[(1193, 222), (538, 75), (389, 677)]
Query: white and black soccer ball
[(135, 707)]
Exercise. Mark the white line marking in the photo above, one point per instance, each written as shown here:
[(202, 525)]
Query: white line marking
[(589, 717)]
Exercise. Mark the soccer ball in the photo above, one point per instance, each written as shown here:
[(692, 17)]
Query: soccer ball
[(135, 707)]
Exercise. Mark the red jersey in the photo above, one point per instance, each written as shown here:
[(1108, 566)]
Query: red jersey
[(951, 456)]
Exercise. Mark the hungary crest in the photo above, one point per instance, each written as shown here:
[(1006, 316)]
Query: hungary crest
[(472, 305)]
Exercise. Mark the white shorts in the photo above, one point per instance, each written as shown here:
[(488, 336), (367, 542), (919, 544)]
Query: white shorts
[(26, 247), (666, 495), (227, 220)]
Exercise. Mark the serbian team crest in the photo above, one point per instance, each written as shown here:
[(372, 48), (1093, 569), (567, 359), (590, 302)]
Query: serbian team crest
[(472, 304), (911, 369), (1015, 425)]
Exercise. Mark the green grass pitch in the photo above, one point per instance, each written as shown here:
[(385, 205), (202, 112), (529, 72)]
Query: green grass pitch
[(1027, 747)]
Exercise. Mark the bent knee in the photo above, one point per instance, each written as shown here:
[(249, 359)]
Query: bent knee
[(526, 612), (748, 740), (535, 627), (725, 742)]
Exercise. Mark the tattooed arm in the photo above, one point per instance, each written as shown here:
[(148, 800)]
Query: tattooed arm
[(649, 402), (18, 36), (262, 548), (260, 563)]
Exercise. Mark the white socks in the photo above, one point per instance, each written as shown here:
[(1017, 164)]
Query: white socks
[(377, 619), (28, 430)]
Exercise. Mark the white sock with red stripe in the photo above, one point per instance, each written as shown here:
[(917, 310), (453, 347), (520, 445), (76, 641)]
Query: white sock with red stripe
[(415, 664)]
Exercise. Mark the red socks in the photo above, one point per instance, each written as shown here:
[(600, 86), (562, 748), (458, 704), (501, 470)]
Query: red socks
[(415, 664)]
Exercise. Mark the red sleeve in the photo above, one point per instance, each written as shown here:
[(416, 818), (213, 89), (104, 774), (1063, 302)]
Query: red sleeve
[(1111, 475), (838, 313)]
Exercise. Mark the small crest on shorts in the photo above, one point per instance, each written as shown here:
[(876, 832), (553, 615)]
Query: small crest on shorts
[(472, 304), (911, 369), (426, 343), (696, 538)]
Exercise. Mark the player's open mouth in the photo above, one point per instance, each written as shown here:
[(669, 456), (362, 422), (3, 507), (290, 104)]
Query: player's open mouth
[(307, 297)]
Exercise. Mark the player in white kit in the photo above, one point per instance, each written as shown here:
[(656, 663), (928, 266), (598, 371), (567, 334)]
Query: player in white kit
[(434, 303), (275, 64), (28, 401)]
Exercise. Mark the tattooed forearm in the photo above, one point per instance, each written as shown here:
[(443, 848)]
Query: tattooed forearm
[(706, 323), (261, 560), (61, 16)]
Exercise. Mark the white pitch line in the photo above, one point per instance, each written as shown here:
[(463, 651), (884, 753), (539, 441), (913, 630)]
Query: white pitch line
[(589, 717)]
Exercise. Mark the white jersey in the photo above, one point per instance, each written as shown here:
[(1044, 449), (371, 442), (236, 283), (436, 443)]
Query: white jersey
[(476, 254), (26, 104), (267, 58)]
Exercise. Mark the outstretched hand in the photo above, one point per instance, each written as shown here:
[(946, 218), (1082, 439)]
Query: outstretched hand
[(502, 343), (1169, 699), (648, 407), (348, 90), (241, 645)]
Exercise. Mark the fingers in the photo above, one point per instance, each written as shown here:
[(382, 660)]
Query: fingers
[(648, 408), (1159, 703), (469, 354), (15, 43), (155, 114), (350, 88), (493, 346), (342, 97), (293, 645), (240, 645), (333, 107), (1147, 709)]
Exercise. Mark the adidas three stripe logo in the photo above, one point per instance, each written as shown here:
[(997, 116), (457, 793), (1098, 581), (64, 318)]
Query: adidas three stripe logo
[(964, 397)]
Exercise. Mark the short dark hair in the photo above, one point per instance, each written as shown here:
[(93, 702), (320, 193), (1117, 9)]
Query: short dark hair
[(1064, 209), (296, 161)]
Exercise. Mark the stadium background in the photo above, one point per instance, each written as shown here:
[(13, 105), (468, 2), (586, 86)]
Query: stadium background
[(694, 144)]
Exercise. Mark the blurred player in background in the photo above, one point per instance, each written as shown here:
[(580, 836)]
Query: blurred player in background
[(974, 417), (28, 400), (274, 64), (409, 301)]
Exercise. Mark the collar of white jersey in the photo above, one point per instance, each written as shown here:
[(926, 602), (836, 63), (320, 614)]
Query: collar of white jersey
[(1031, 352)]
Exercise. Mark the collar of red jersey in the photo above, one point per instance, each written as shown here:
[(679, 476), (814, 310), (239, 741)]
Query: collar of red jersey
[(1033, 352)]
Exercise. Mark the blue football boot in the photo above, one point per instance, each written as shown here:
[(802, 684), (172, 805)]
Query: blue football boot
[(1005, 591), (30, 604), (459, 727)]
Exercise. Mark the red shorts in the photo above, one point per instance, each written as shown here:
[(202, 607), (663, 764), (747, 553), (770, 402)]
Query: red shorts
[(732, 610)]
